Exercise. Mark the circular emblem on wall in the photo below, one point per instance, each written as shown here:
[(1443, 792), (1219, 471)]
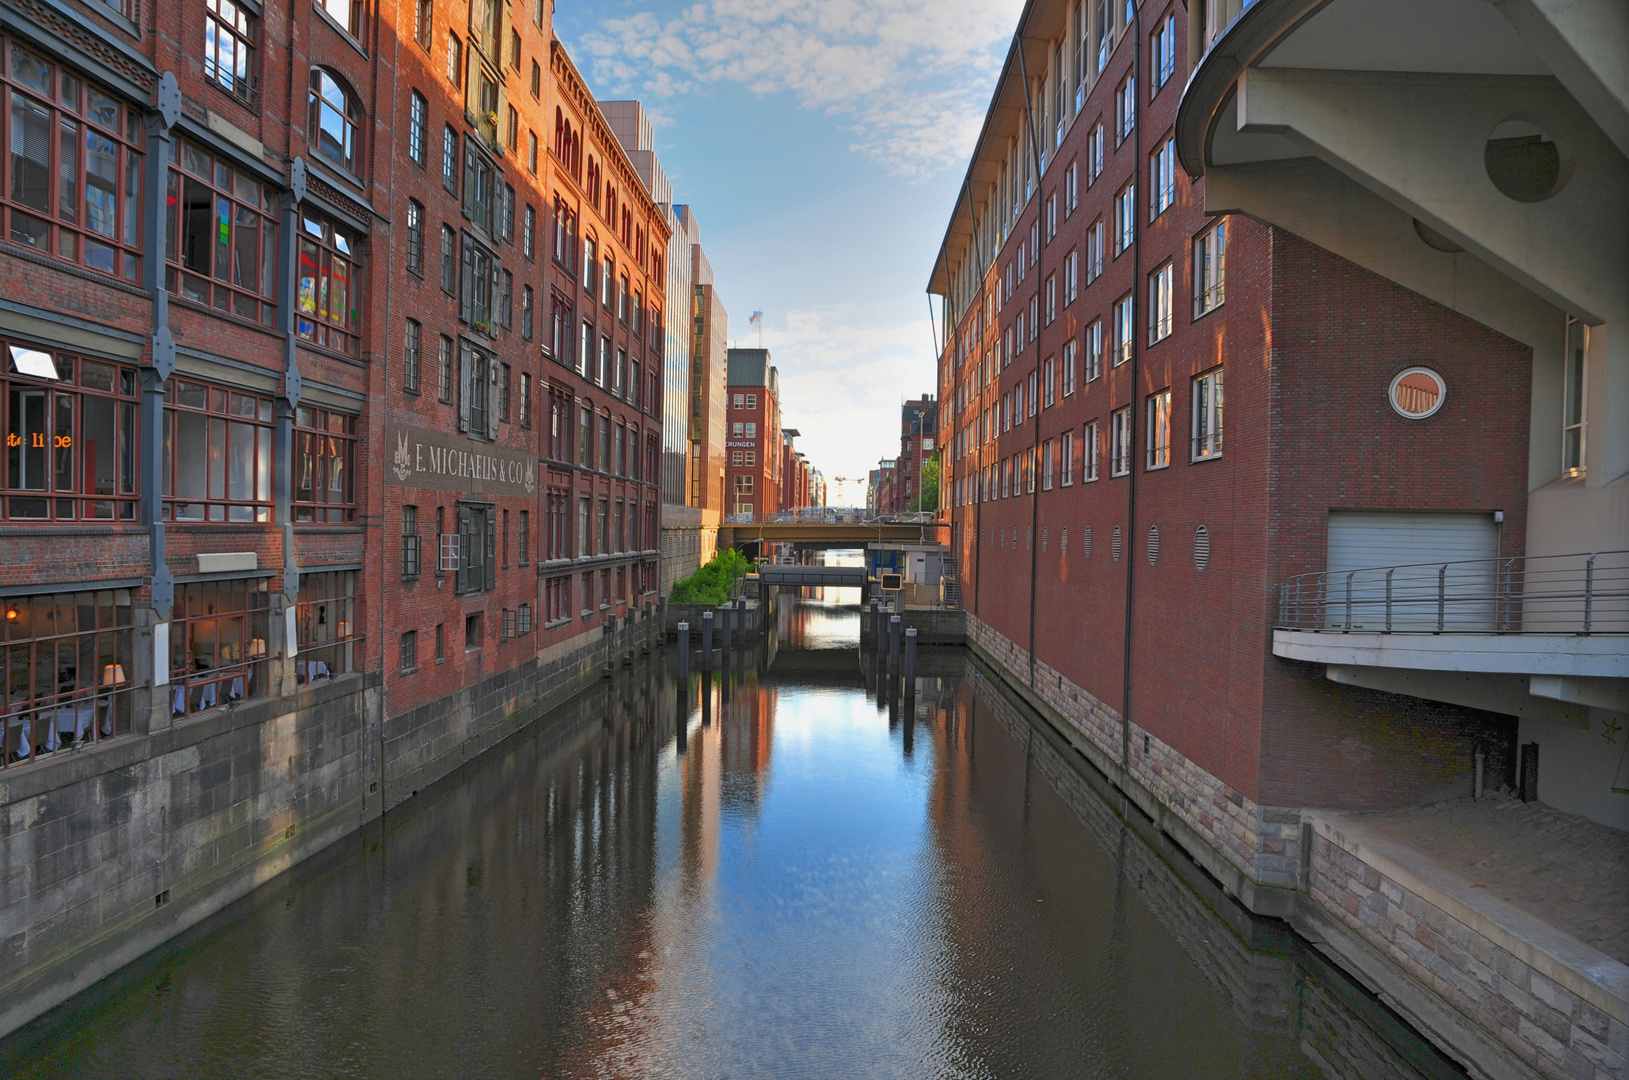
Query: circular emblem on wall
[(1417, 392)]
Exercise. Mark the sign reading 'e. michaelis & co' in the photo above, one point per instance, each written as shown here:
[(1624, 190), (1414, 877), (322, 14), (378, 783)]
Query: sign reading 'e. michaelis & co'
[(432, 459)]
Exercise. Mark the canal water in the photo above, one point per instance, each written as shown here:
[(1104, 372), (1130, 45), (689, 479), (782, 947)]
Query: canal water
[(761, 871)]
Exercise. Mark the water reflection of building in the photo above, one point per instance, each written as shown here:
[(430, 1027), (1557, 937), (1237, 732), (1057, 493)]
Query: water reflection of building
[(1140, 912)]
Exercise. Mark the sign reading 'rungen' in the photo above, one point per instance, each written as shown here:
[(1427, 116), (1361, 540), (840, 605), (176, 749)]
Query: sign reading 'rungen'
[(432, 459)]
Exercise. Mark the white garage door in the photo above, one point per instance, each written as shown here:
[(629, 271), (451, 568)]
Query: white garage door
[(1398, 566)]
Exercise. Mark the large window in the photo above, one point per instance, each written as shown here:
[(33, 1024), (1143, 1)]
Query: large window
[(229, 47), (73, 176), (347, 13), (324, 456), (222, 239), (1162, 179), (1210, 269), (412, 543), (330, 290), (217, 454), (1120, 442), (477, 548), (67, 663), (70, 433), (415, 236), (326, 618), (218, 642), (1207, 415), (336, 120), (478, 283), (1162, 49), (417, 121)]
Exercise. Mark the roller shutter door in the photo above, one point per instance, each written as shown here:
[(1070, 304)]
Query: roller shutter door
[(1415, 550)]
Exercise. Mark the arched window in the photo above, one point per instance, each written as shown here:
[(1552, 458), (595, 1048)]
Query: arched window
[(335, 120)]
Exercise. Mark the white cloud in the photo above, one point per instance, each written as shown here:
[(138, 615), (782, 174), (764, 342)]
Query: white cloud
[(909, 78)]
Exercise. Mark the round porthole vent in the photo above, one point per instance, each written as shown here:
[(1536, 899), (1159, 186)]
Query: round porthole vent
[(1523, 161)]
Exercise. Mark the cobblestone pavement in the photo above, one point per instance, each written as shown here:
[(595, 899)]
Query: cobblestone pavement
[(1566, 870)]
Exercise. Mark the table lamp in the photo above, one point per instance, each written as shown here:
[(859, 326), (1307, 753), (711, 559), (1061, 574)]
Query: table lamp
[(113, 675)]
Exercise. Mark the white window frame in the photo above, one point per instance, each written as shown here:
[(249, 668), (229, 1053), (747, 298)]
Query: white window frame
[(1125, 218), (1125, 326), (1071, 352), (1208, 415), (1161, 284), (1088, 453), (1157, 435), (1210, 269), (1162, 178), (1092, 361), (1066, 459), (1120, 442)]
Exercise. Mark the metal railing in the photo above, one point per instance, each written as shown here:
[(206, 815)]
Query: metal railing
[(1583, 593)]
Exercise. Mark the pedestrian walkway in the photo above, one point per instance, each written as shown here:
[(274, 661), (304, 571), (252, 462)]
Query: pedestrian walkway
[(1566, 870)]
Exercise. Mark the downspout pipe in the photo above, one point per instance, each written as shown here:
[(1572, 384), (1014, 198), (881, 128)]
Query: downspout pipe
[(1136, 354), (1033, 541), (978, 503)]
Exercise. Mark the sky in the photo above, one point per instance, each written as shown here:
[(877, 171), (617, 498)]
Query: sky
[(822, 144)]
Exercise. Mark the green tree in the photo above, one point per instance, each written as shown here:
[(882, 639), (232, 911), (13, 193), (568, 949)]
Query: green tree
[(928, 499), (713, 582)]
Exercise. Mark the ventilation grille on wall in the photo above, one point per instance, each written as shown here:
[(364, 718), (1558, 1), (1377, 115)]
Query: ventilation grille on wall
[(1201, 548), (1045, 538), (1114, 544), (1063, 541), (1086, 542), (1153, 545)]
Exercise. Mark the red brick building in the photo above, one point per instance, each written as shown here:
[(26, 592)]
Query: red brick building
[(918, 428), (753, 439), (333, 341), (1116, 560)]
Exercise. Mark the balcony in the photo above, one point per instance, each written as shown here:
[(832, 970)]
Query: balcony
[(1541, 637)]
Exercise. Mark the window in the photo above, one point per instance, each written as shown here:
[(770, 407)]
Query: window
[(1162, 179), (1124, 329), (449, 260), (449, 159), (1071, 276), (1051, 216), (1574, 412), (229, 47), (752, 430), (528, 236), (1031, 395), (480, 189), (1207, 415), (1093, 342), (478, 274), (1094, 251), (1162, 47), (752, 401), (74, 176), (410, 356), (1125, 217), (455, 60), (1051, 299), (525, 311), (477, 549), (217, 454), (1070, 351), (505, 376), (1094, 154), (347, 13), (740, 399), (222, 239), (1047, 450), (506, 221), (1210, 269), (411, 542), (537, 80), (70, 429), (477, 391), (1120, 442), (506, 299), (417, 119), (1159, 303), (324, 459), (408, 651), (68, 671), (1034, 317), (1071, 188), (1088, 453), (444, 372), (1066, 459), (738, 457), (525, 550), (1125, 109), (218, 636), (441, 642), (325, 618), (1048, 383), (415, 236), (329, 310), (1159, 430), (423, 22), (335, 120)]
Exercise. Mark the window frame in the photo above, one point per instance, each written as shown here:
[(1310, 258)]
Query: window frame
[(238, 25), (327, 244), (1208, 419), (1157, 433), (240, 677), (220, 405), (347, 111), (313, 426)]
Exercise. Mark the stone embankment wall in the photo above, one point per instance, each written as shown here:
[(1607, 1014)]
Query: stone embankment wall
[(107, 853)]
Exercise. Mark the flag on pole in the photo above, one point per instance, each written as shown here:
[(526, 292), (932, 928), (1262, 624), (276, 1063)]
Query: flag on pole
[(757, 320)]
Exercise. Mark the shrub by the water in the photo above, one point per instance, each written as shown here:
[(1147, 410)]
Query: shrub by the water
[(711, 584)]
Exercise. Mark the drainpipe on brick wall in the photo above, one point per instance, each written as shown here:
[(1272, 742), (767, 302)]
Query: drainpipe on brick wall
[(1033, 540), (1131, 411)]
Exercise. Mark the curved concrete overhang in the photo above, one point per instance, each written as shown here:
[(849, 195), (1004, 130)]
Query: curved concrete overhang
[(1401, 96)]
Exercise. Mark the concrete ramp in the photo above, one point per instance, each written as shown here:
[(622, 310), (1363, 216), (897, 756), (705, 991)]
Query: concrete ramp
[(849, 576)]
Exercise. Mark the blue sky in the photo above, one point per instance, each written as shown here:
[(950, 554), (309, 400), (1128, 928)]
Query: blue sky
[(821, 143)]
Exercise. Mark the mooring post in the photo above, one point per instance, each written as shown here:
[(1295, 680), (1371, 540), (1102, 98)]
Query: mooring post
[(876, 634), (910, 662), (684, 649), (707, 639), (893, 643), (727, 609)]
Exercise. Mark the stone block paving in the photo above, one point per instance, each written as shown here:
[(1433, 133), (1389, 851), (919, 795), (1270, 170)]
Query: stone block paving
[(1569, 871)]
